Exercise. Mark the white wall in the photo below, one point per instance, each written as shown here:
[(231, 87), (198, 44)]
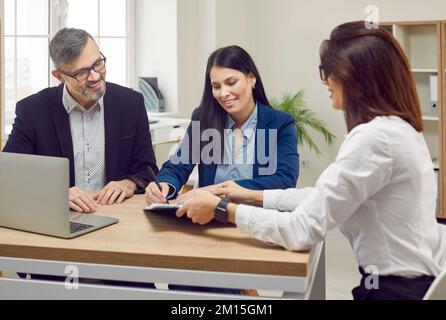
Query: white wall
[(2, 99), (283, 37), (156, 46), (196, 41), (234, 23), (173, 40)]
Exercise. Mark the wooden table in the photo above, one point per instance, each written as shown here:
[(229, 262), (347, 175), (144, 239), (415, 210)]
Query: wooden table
[(159, 249)]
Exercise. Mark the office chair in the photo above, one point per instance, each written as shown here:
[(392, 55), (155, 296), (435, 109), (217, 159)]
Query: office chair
[(440, 256), (437, 290)]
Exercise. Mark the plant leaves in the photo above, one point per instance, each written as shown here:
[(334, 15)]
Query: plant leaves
[(305, 119)]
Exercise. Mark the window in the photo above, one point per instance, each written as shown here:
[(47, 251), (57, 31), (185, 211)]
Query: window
[(26, 51), (105, 21), (29, 25)]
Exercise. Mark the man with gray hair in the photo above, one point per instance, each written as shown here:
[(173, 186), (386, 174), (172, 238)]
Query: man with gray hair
[(102, 128)]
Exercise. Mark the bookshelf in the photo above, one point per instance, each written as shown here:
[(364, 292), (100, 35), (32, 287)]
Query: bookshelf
[(442, 123), (2, 128), (1, 92), (424, 43)]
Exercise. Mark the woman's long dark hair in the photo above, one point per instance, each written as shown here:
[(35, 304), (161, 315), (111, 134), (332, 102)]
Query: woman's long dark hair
[(374, 73), (210, 114)]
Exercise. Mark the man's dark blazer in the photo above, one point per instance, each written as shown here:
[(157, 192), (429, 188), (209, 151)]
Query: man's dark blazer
[(42, 127)]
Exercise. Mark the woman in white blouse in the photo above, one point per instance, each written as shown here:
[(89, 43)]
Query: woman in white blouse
[(380, 190)]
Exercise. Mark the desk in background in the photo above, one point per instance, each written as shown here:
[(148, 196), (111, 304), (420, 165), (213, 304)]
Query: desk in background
[(166, 134), (167, 130), (151, 248)]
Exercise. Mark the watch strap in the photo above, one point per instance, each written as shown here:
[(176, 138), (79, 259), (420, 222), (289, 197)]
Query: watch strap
[(221, 213)]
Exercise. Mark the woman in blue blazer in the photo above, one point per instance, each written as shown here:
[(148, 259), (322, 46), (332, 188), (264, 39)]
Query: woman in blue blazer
[(234, 136)]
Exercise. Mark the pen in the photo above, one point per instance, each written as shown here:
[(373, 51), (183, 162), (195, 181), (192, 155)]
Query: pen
[(152, 176)]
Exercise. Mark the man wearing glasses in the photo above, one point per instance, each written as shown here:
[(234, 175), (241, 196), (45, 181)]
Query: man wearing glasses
[(102, 128)]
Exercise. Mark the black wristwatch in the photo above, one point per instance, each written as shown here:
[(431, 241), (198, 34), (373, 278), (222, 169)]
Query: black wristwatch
[(221, 214)]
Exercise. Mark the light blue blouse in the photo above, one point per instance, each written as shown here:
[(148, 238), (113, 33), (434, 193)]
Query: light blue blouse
[(240, 167)]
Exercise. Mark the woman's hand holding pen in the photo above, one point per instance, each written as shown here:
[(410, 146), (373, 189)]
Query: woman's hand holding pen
[(154, 194)]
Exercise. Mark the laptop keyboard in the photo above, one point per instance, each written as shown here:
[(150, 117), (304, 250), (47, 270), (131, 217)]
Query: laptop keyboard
[(76, 227)]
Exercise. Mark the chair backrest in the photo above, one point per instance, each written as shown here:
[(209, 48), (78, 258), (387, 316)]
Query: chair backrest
[(437, 290), (440, 254)]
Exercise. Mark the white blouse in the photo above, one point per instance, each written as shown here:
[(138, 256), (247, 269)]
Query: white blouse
[(380, 191)]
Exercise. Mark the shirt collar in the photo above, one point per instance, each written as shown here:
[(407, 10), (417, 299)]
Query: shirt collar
[(248, 127), (70, 104)]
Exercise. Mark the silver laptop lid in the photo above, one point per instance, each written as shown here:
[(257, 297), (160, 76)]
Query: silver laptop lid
[(34, 193)]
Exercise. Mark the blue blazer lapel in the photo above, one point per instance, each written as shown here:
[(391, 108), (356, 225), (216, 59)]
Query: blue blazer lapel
[(112, 129), (206, 174), (264, 120), (62, 124)]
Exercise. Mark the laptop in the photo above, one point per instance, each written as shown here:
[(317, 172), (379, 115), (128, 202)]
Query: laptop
[(34, 197)]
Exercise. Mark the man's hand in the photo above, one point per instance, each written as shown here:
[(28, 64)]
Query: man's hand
[(81, 200), (115, 192), (200, 207)]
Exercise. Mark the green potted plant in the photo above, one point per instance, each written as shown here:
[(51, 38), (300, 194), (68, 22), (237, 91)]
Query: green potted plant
[(305, 119)]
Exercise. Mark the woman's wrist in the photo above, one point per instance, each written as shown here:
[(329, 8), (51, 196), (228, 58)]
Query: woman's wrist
[(232, 209), (255, 198)]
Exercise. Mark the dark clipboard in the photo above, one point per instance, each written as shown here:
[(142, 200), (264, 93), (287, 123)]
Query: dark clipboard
[(160, 208)]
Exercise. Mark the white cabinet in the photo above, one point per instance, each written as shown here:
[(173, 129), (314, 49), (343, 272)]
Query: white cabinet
[(167, 130), (166, 134)]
